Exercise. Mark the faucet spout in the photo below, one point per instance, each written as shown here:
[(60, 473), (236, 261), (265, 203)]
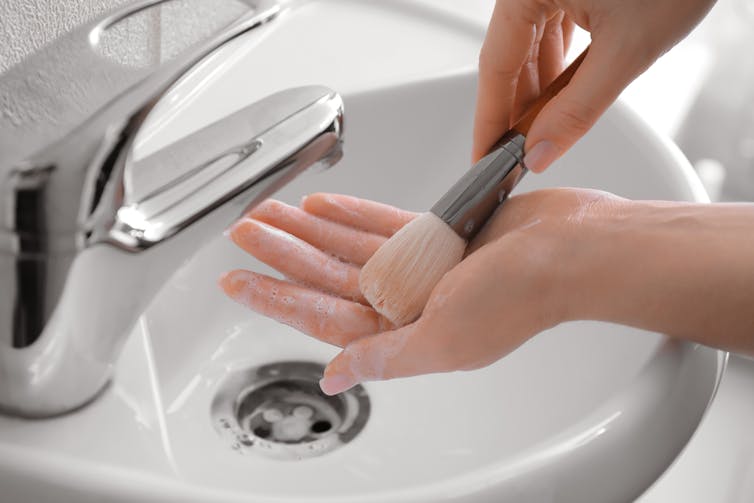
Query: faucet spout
[(88, 235)]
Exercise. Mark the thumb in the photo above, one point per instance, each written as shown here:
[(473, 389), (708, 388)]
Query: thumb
[(386, 355), (606, 70)]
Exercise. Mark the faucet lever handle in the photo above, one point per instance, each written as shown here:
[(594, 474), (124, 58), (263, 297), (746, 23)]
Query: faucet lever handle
[(273, 139)]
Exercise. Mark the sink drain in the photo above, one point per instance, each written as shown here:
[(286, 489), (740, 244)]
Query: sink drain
[(277, 410)]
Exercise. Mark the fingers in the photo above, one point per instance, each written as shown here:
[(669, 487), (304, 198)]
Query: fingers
[(545, 62), (529, 84), (552, 50), (352, 245), (607, 69), (510, 37), (330, 319), (381, 356), (567, 26), (297, 259), (369, 216)]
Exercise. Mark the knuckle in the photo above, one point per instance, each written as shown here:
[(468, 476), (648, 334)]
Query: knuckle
[(575, 117), (532, 11), (528, 11), (491, 64)]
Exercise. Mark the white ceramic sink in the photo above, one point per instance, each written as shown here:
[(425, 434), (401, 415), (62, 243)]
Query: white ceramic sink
[(587, 412)]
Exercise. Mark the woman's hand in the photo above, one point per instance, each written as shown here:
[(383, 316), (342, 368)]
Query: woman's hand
[(545, 257), (524, 51), (509, 287)]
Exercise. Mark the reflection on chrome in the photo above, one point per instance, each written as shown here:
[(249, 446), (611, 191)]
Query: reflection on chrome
[(88, 236)]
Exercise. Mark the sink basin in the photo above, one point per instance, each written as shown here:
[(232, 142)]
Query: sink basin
[(586, 412)]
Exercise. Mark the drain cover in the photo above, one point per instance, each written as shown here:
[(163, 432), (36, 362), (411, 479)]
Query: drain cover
[(277, 410)]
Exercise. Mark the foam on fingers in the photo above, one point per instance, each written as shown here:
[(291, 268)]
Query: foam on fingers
[(370, 216), (373, 358), (330, 319), (297, 259), (347, 243)]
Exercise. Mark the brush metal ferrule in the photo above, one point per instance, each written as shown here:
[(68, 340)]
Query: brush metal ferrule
[(470, 202)]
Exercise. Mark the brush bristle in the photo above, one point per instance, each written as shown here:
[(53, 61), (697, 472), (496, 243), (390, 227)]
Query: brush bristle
[(399, 277)]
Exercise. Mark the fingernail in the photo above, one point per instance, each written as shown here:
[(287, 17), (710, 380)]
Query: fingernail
[(230, 231), (303, 200), (336, 383), (224, 280), (228, 280), (540, 156), (241, 286), (245, 229)]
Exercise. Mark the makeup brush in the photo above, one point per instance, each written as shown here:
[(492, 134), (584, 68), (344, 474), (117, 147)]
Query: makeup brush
[(398, 279)]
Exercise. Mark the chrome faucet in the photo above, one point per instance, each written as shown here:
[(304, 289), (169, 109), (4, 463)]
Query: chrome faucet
[(84, 246)]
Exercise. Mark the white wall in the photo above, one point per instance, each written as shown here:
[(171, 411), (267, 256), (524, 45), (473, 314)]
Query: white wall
[(27, 25), (48, 88)]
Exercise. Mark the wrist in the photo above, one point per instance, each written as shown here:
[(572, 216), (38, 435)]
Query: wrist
[(618, 253), (677, 268), (633, 258)]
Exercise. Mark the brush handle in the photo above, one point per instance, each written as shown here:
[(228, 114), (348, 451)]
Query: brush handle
[(473, 198), (470, 202), (524, 123)]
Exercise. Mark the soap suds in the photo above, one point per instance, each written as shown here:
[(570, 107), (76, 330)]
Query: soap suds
[(348, 244), (587, 201), (331, 319), (297, 259), (369, 216), (367, 362)]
